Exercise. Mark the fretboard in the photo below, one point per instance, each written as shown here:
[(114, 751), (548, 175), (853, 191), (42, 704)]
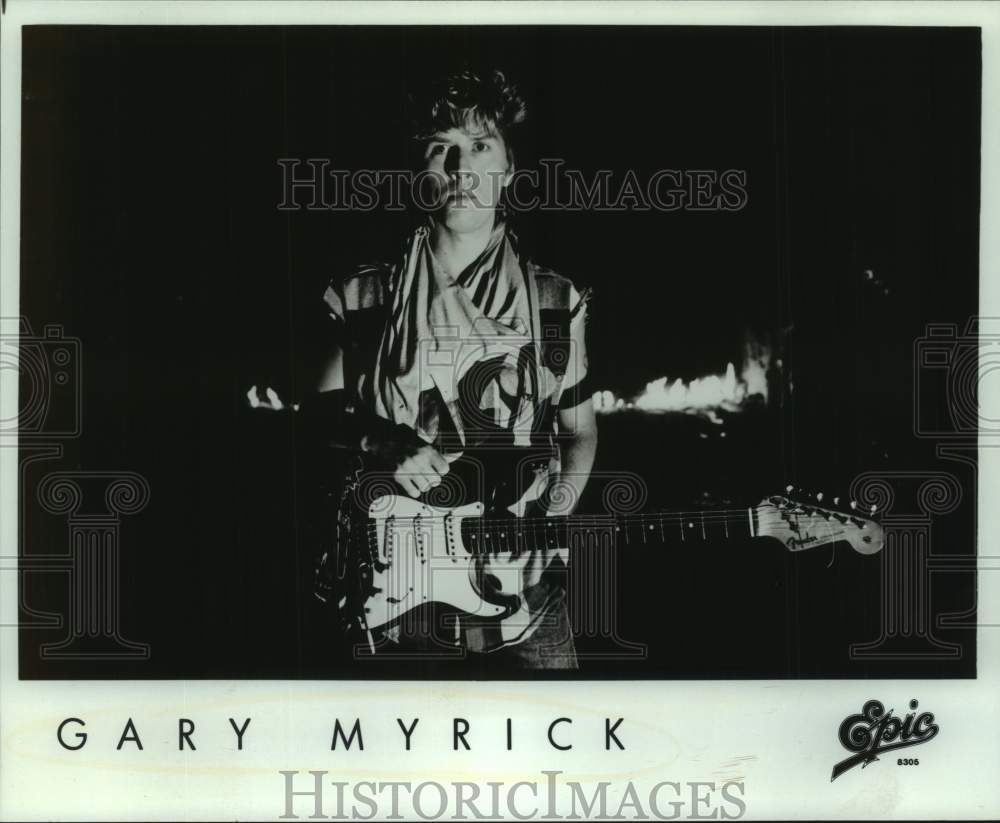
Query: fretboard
[(503, 535)]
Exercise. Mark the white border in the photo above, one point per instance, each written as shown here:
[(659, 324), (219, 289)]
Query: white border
[(778, 735)]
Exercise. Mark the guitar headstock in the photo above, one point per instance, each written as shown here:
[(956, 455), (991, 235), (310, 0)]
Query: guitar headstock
[(804, 522)]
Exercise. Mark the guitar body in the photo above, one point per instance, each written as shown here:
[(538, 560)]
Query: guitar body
[(419, 559), (397, 558)]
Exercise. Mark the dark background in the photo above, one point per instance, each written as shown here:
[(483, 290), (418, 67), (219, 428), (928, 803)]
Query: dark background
[(150, 232)]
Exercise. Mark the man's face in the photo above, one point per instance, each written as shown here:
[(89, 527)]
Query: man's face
[(467, 171)]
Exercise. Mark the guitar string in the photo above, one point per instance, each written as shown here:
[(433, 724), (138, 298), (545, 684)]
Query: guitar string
[(763, 521), (735, 515)]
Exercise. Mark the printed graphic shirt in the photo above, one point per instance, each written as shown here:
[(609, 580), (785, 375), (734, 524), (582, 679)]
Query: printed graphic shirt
[(485, 358)]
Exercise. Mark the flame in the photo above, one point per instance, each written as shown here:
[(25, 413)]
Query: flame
[(704, 395)]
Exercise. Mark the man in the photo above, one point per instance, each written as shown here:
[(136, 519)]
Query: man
[(461, 342)]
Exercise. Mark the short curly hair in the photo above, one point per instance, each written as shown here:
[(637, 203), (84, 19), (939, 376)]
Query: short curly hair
[(468, 99)]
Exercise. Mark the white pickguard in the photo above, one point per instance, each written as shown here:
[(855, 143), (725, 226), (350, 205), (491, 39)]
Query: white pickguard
[(426, 562)]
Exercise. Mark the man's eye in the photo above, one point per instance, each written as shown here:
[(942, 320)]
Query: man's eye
[(437, 148), (480, 146)]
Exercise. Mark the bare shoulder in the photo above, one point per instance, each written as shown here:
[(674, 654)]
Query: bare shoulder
[(364, 286), (555, 290)]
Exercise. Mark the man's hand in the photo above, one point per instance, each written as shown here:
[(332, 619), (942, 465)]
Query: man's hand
[(421, 471), (268, 400), (416, 465)]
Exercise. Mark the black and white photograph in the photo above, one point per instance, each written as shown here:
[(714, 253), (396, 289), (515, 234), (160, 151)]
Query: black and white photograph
[(382, 355), (453, 353)]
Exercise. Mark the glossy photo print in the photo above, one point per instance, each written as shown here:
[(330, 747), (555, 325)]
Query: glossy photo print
[(440, 411)]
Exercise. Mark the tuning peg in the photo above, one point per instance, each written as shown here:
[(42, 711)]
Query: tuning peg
[(819, 497), (789, 488), (854, 504), (874, 508), (836, 501)]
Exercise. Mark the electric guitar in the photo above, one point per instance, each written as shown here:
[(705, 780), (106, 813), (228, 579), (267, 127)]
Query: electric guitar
[(393, 554)]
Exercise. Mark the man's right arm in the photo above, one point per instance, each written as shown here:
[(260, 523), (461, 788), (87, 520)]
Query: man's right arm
[(331, 372), (331, 419), (328, 417)]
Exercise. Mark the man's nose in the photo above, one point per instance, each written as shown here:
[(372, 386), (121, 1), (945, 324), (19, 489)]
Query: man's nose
[(456, 162)]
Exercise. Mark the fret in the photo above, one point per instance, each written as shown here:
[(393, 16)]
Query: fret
[(717, 527), (565, 529), (640, 525), (491, 536), (696, 527), (563, 534), (572, 528)]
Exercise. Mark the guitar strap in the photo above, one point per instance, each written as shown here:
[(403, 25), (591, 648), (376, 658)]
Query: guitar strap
[(536, 317)]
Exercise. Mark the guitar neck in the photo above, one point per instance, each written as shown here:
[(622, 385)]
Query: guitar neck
[(505, 535)]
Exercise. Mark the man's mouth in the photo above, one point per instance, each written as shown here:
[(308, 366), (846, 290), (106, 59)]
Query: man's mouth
[(461, 197)]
